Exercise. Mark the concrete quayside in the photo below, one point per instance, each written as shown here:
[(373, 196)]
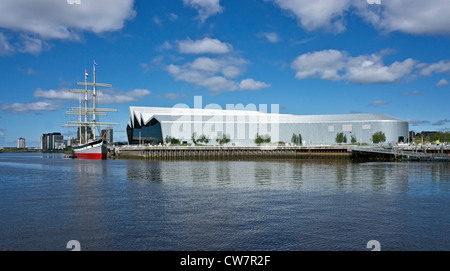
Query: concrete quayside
[(372, 153), (402, 153)]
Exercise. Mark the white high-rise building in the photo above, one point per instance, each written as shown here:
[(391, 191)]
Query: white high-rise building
[(21, 143)]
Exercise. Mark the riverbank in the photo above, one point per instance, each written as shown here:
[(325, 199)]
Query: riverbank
[(16, 150)]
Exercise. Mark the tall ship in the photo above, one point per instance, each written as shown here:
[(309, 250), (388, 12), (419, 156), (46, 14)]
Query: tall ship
[(88, 144)]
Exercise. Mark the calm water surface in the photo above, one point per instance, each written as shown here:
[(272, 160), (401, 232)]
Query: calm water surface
[(46, 200)]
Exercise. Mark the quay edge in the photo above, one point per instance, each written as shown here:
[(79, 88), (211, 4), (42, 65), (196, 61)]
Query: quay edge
[(352, 152), (179, 152)]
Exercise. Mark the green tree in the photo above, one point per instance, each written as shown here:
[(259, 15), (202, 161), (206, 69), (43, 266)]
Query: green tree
[(262, 139), (353, 139), (226, 139), (223, 139), (378, 137), (167, 139), (204, 139), (294, 139), (341, 138), (297, 139), (194, 137), (171, 140), (258, 139)]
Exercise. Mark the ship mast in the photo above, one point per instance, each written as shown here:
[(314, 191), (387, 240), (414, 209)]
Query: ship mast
[(94, 96), (89, 111), (85, 107)]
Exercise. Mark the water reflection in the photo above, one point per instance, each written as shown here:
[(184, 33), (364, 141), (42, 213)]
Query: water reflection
[(378, 178), (297, 176), (200, 173), (223, 175), (263, 174), (303, 175), (341, 176), (144, 171)]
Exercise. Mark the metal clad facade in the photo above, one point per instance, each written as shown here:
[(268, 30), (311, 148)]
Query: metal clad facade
[(242, 126)]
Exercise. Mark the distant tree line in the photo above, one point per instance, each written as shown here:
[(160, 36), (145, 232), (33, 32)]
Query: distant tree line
[(432, 136)]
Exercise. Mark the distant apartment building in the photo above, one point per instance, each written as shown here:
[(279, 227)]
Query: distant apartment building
[(70, 141), (52, 141), (21, 143), (84, 131), (107, 134)]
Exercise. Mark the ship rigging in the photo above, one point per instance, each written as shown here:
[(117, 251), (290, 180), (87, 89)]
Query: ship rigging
[(89, 146)]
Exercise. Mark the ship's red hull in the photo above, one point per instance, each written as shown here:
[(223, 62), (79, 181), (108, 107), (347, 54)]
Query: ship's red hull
[(94, 156)]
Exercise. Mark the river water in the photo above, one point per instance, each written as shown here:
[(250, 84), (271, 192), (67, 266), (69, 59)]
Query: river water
[(276, 205)]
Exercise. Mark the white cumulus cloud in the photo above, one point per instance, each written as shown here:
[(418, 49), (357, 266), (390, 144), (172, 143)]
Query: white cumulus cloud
[(204, 46), (108, 97), (37, 21), (320, 64), (62, 94), (24, 108), (57, 19), (338, 65), (5, 46), (205, 8), (250, 84), (123, 97), (203, 72), (271, 36), (416, 17), (215, 74), (442, 66), (312, 15), (442, 83)]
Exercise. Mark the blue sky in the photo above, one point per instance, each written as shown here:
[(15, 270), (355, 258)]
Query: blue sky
[(309, 57)]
